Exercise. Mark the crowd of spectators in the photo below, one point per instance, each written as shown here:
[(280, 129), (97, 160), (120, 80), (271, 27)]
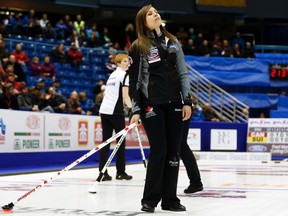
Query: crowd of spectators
[(18, 96), (72, 30), (198, 45)]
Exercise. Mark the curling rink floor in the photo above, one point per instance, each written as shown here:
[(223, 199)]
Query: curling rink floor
[(230, 189)]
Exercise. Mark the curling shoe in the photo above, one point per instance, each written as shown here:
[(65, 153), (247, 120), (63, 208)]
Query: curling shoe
[(148, 208), (106, 177), (193, 189), (175, 208), (123, 176)]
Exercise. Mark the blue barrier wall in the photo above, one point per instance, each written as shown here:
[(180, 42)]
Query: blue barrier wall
[(41, 161)]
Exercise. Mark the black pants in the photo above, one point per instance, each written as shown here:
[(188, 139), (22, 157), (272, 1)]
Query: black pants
[(163, 126), (110, 123), (188, 158)]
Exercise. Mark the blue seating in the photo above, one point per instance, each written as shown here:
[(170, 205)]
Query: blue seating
[(283, 103), (278, 114), (72, 78)]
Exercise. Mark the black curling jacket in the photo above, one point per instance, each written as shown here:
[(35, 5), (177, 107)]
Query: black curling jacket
[(160, 77)]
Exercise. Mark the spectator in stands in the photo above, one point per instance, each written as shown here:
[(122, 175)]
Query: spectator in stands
[(8, 100), (248, 51), (49, 31), (189, 48), (9, 22), (40, 85), (74, 56), (191, 33), (210, 114), (67, 19), (21, 77), (97, 88), (3, 75), (262, 115), (69, 25), (216, 45), (182, 35), (197, 114), (115, 47), (94, 110), (110, 66), (4, 54), (36, 30), (93, 29), (94, 40), (78, 23), (237, 53), (28, 21), (74, 103), (57, 102), (48, 69), (20, 56), (36, 67), (38, 101), (24, 100), (204, 49), (29, 18), (226, 49), (56, 86), (58, 54), (17, 28), (60, 29), (11, 78), (44, 20), (245, 113), (199, 39), (238, 40), (106, 38), (100, 96), (83, 35), (130, 35), (84, 102), (76, 39)]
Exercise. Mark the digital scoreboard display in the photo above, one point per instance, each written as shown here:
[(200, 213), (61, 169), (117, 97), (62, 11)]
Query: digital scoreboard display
[(278, 72)]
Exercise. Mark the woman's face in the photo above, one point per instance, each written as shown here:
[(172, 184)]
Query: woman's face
[(153, 19), (124, 64)]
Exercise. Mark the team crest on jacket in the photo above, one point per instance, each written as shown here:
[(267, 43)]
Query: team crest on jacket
[(154, 55), (149, 112)]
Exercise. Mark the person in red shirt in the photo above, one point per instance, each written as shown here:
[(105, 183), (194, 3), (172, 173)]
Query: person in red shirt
[(11, 78), (74, 56), (20, 56)]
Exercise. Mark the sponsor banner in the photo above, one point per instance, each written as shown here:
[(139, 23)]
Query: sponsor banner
[(194, 139), (223, 139), (21, 131), (68, 132), (268, 135), (30, 131), (234, 156)]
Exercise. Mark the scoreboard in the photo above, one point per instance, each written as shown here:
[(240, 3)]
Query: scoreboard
[(268, 135)]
